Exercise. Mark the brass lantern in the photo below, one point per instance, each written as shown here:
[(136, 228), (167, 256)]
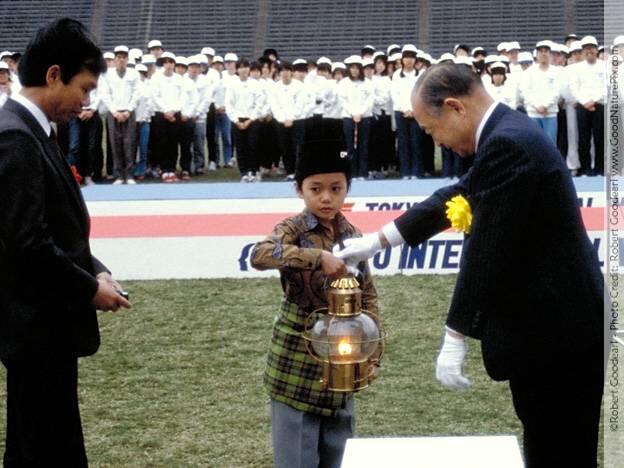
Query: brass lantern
[(344, 338)]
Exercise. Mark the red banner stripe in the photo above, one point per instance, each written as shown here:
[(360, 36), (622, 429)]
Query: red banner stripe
[(248, 224)]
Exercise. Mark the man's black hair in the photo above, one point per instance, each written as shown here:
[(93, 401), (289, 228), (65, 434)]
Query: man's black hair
[(255, 66), (64, 42)]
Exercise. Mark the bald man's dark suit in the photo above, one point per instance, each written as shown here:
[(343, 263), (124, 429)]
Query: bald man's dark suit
[(529, 287)]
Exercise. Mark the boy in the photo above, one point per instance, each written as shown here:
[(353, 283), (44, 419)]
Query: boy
[(300, 247)]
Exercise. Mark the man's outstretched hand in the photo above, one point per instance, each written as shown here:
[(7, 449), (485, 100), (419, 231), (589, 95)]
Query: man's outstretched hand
[(358, 249)]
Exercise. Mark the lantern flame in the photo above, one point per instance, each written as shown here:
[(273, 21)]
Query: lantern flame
[(344, 348)]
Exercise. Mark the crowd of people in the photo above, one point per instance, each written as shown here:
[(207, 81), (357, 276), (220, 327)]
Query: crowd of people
[(172, 117)]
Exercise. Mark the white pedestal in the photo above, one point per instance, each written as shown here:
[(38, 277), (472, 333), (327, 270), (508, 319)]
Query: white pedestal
[(433, 452)]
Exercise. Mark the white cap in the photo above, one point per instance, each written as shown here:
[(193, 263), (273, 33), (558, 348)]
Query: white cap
[(208, 51), (131, 62), (446, 56), (140, 68), (379, 53), (203, 60), (424, 56), (491, 59), (618, 40), (193, 60), (121, 49), (392, 46), (230, 57), (463, 60), (299, 61), (525, 57), (498, 65), (503, 58), (337, 65), (576, 46), (4, 66), (135, 53), (546, 43), (368, 46), (513, 45), (589, 41), (421, 54), (154, 43), (217, 59), (352, 60), (5, 53), (502, 46), (148, 59), (564, 49), (409, 48), (105, 55), (168, 55), (368, 62), (396, 56), (477, 49), (180, 60), (323, 60), (556, 48)]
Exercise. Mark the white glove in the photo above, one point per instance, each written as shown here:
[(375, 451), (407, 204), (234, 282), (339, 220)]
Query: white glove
[(449, 363), (358, 249)]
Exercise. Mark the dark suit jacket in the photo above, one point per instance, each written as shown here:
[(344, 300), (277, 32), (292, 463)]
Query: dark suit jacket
[(530, 285), (47, 272)]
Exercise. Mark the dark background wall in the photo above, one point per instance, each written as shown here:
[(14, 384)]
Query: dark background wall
[(310, 28)]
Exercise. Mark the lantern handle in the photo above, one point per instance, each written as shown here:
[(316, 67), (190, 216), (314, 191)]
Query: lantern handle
[(307, 340)]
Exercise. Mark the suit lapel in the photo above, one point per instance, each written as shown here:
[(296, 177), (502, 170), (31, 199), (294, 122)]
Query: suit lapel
[(52, 153)]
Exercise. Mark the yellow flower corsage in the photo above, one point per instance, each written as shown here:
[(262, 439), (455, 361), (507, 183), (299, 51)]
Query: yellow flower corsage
[(459, 214)]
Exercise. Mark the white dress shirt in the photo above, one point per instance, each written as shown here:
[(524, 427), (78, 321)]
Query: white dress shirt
[(36, 112)]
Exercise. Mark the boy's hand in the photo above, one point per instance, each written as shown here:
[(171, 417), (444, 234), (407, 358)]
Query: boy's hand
[(332, 266)]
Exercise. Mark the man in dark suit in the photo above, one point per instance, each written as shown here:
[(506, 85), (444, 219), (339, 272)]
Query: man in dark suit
[(50, 284), (529, 286)]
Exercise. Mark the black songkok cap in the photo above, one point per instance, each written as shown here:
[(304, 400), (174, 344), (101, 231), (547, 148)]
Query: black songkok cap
[(322, 156)]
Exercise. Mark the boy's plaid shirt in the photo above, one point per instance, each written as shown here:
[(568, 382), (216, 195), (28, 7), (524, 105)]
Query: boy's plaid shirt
[(292, 376)]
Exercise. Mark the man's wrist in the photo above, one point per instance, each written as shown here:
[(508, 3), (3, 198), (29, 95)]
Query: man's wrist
[(390, 233)]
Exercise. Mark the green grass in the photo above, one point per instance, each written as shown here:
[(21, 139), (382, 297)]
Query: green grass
[(178, 380)]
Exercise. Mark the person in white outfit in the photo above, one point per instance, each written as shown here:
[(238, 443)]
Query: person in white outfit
[(408, 131), (204, 92), (283, 107), (5, 82), (119, 91), (244, 101), (382, 151), (357, 98), (588, 87), (144, 112), (170, 95), (541, 87), (569, 102), (497, 86)]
